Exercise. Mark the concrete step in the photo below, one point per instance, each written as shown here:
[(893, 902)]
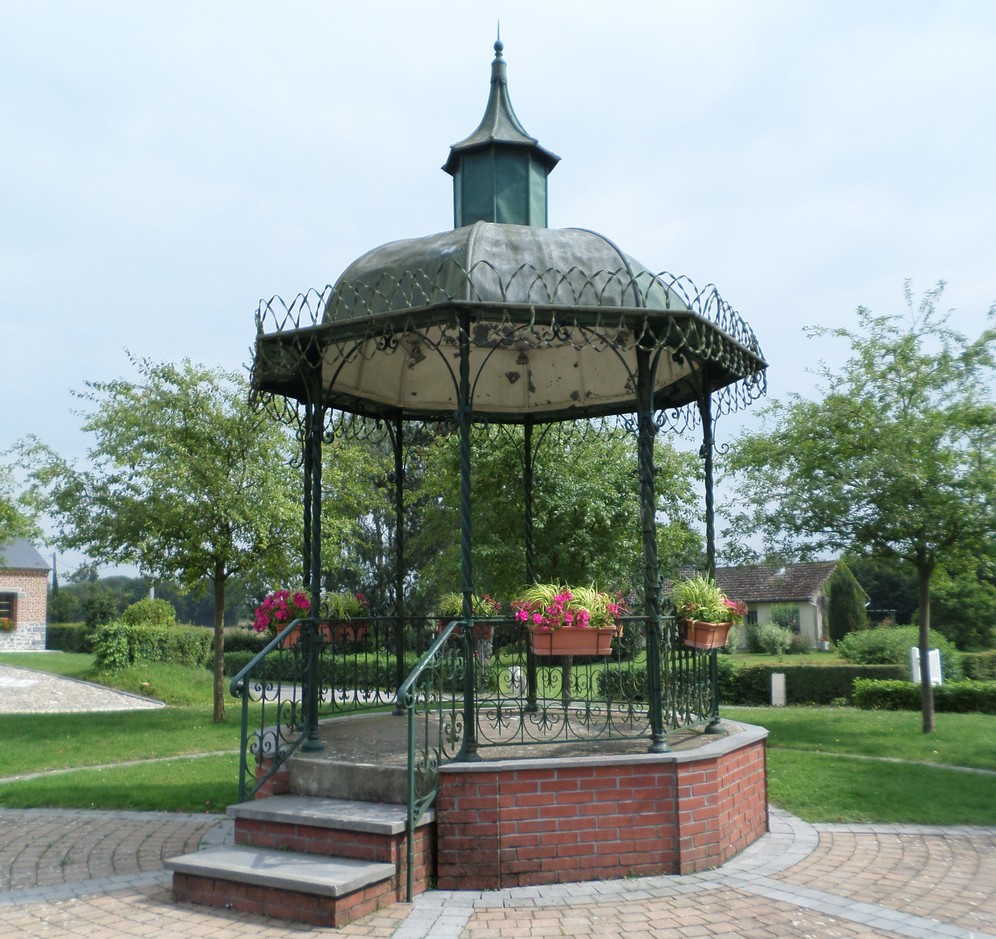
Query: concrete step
[(376, 818), (316, 889)]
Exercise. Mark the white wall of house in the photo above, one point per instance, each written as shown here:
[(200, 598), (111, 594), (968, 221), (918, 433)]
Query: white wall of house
[(811, 619)]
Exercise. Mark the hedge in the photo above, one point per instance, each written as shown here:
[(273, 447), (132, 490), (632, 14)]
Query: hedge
[(979, 665), (67, 637), (957, 696), (804, 684), (751, 684), (118, 645), (355, 671)]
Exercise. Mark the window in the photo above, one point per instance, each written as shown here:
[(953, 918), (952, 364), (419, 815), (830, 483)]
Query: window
[(751, 619), (8, 606)]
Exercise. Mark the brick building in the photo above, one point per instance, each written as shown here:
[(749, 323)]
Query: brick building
[(23, 596)]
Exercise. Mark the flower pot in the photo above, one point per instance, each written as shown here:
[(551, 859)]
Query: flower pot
[(345, 630), (483, 632), (546, 642), (700, 635), (291, 639)]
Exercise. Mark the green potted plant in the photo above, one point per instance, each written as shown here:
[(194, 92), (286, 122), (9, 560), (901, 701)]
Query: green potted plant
[(7, 624), (564, 620), (341, 617), (707, 612), (483, 606)]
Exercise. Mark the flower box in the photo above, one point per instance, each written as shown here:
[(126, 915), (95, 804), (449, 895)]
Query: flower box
[(547, 642), (699, 635), (483, 632), (343, 631)]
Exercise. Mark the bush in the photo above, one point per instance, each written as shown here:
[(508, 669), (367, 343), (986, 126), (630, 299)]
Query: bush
[(772, 638), (119, 645), (67, 637), (149, 612), (245, 640), (804, 684), (799, 645), (979, 665), (957, 696), (890, 645)]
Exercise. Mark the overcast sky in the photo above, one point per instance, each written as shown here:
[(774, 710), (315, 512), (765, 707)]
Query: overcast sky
[(164, 165)]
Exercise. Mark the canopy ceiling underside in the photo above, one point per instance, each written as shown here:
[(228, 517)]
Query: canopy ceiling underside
[(569, 367)]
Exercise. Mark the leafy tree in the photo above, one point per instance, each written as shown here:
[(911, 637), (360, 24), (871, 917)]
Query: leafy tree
[(185, 480), (896, 459), (585, 504), (963, 602), (890, 586), (17, 519), (846, 607)]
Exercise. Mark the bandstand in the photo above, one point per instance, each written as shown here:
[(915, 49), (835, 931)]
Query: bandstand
[(378, 763)]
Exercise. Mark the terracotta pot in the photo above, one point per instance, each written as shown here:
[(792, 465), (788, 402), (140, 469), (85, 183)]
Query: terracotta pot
[(571, 641), (700, 635), (483, 632), (291, 639), (345, 630)]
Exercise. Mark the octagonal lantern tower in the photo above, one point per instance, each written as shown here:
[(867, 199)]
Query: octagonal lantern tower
[(503, 320)]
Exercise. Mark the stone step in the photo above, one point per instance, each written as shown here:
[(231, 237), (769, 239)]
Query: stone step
[(316, 889), (376, 818)]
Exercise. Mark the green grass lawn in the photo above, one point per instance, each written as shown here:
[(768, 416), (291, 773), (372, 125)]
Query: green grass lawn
[(824, 764)]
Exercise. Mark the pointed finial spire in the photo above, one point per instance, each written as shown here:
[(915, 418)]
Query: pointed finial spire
[(500, 158)]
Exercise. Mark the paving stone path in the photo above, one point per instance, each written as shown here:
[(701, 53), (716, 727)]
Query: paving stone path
[(99, 874), (23, 691)]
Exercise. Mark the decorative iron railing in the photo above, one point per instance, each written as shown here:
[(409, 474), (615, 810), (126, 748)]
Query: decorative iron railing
[(523, 700), (477, 686), (313, 670)]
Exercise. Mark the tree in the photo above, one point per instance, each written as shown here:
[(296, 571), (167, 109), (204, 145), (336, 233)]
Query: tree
[(586, 525), (963, 601), (185, 481), (846, 606), (17, 519), (895, 460)]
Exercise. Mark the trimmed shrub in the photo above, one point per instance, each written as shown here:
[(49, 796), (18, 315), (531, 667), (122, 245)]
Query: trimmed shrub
[(751, 684), (957, 696), (979, 665), (149, 612), (772, 639), (245, 640), (67, 637), (804, 684), (118, 645), (890, 645), (623, 684)]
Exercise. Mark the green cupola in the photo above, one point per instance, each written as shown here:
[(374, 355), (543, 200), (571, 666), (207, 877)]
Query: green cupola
[(499, 172)]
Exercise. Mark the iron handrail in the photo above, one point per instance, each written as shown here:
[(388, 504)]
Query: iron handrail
[(406, 699), (239, 688)]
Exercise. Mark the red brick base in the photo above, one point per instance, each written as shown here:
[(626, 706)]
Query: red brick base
[(531, 822)]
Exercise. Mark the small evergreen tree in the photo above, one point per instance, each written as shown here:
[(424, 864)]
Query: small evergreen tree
[(847, 603)]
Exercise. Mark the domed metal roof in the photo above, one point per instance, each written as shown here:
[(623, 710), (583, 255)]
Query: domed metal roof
[(504, 264), (542, 324)]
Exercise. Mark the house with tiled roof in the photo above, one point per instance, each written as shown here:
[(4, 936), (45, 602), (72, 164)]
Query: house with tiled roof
[(23, 597), (800, 586)]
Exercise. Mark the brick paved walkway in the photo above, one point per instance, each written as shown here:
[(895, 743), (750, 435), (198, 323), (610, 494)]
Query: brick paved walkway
[(98, 874)]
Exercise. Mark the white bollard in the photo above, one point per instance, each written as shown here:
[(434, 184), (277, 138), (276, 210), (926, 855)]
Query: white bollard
[(933, 666), (778, 689)]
